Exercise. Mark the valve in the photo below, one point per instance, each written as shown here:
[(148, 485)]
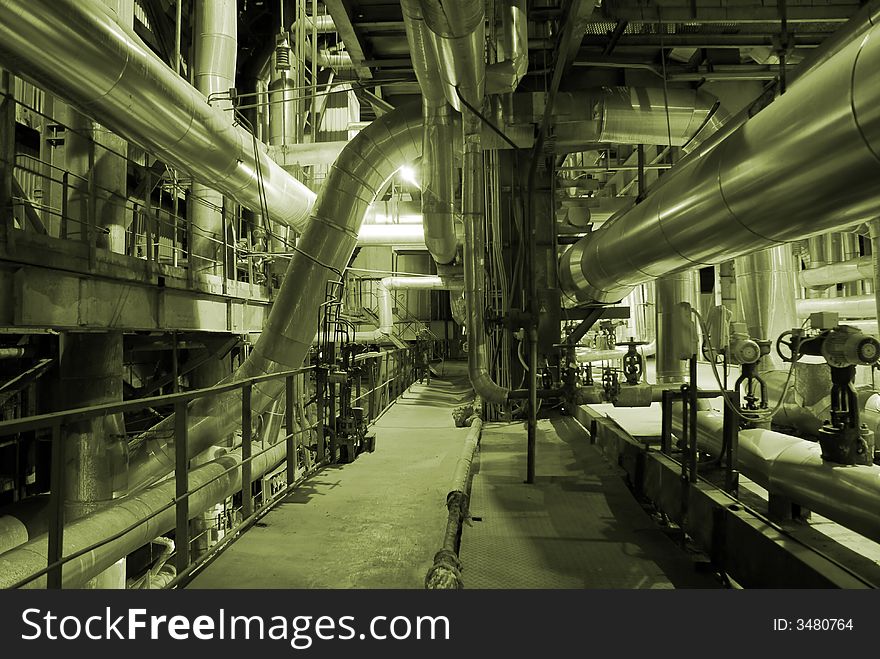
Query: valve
[(633, 366)]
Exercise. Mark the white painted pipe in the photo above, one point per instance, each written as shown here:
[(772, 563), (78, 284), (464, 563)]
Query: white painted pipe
[(855, 306), (794, 468)]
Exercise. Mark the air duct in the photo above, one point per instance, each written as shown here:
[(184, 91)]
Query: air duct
[(757, 188), (77, 49), (503, 76)]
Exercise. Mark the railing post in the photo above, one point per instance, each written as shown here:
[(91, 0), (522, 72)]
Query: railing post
[(247, 500), (288, 417), (56, 510), (319, 408), (332, 421), (181, 477), (65, 211)]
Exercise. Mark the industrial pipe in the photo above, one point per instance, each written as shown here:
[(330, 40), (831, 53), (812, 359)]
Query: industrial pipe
[(737, 198), (794, 468), (503, 76), (857, 306), (209, 484), (837, 273), (386, 302), (385, 235), (76, 49), (458, 33), (323, 251), (475, 268)]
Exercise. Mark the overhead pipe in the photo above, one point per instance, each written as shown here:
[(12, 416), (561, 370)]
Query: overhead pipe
[(458, 33), (384, 292), (439, 138), (837, 273), (504, 76), (389, 235), (76, 49), (323, 251), (215, 45), (737, 199), (794, 468)]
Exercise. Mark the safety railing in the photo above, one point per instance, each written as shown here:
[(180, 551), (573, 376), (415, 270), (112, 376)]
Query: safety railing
[(308, 421)]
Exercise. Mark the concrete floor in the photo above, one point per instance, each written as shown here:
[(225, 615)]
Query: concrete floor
[(374, 523), (577, 526)]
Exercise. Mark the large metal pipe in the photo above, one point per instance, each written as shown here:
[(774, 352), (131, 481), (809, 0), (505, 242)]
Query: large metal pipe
[(837, 273), (323, 251), (793, 468), (439, 138), (503, 77), (765, 295), (389, 235), (385, 295), (475, 268), (857, 306), (215, 44), (736, 198), (458, 32), (210, 483), (76, 49), (670, 291)]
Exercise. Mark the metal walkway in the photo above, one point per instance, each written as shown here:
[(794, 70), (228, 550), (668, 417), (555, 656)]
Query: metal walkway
[(578, 526), (374, 523)]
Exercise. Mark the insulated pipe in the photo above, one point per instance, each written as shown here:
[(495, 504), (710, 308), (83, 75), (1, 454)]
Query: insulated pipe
[(458, 32), (385, 235), (439, 176), (30, 557), (857, 306), (737, 198), (793, 468), (475, 268), (838, 273), (765, 295), (323, 251), (874, 229), (670, 291), (386, 302), (388, 284), (503, 77), (439, 139), (215, 43), (76, 49)]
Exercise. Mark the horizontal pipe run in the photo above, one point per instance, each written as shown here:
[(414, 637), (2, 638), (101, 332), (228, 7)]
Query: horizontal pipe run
[(210, 483), (76, 49), (793, 468), (738, 197), (856, 306)]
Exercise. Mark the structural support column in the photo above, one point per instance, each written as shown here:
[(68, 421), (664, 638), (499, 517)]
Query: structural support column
[(671, 291), (874, 227)]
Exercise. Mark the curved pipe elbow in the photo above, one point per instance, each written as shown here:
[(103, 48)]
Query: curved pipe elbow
[(486, 388)]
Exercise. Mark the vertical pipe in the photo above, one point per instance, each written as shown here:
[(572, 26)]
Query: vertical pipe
[(874, 228), (766, 283), (670, 291)]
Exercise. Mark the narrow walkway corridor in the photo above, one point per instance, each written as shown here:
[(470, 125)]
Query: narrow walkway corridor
[(374, 523), (578, 526)]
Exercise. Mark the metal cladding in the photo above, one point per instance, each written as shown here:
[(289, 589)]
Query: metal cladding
[(856, 306), (837, 273), (388, 284), (503, 77), (758, 188), (352, 184), (439, 181), (77, 49), (459, 33)]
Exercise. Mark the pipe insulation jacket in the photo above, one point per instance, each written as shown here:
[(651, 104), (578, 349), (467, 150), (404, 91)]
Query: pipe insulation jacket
[(77, 49), (757, 188), (793, 468)]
